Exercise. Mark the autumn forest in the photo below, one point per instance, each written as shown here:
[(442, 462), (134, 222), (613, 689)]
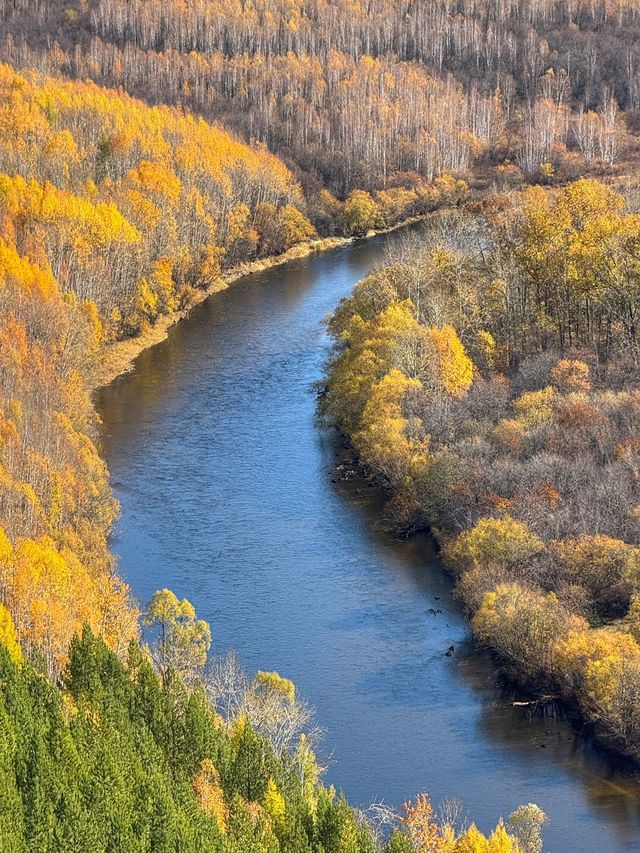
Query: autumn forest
[(483, 379)]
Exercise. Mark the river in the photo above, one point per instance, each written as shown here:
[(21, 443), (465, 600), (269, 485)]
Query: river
[(229, 498)]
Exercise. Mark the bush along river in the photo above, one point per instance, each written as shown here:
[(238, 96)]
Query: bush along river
[(234, 497)]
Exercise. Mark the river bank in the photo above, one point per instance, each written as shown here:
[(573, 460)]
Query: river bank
[(294, 573), (118, 357), (542, 698), (491, 459), (536, 695)]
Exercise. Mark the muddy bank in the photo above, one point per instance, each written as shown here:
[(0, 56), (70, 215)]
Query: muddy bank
[(119, 357)]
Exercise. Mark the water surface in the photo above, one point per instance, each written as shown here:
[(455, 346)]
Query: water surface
[(225, 482)]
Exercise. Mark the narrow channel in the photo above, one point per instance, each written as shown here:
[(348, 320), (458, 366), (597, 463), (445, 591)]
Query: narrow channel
[(228, 497)]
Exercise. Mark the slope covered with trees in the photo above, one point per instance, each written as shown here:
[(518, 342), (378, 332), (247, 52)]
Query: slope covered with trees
[(368, 95), (119, 759), (101, 232), (131, 206), (56, 510), (491, 381)]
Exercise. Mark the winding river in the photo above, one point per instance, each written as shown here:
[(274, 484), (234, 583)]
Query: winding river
[(229, 498)]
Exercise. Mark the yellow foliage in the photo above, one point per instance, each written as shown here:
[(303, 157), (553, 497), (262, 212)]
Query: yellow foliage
[(383, 440), (54, 597), (501, 842), (55, 569), (608, 567), (155, 186), (504, 541), (9, 635), (361, 213), (6, 558), (473, 841), (295, 226), (159, 179), (535, 407), (420, 823), (487, 348), (605, 671), (209, 793), (274, 805), (274, 681), (525, 626), (371, 348), (580, 235), (454, 367)]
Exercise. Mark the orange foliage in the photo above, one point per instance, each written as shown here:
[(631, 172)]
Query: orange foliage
[(56, 573), (138, 187), (209, 793)]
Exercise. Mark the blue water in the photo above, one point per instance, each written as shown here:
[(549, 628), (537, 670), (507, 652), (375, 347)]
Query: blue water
[(225, 481)]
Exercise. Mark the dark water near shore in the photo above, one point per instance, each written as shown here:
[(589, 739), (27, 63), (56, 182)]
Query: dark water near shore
[(225, 482)]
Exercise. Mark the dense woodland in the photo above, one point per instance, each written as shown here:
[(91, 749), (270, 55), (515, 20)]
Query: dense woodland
[(97, 240), (368, 95), (132, 206), (490, 380), (120, 759)]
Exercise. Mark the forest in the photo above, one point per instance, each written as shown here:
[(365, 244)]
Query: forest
[(117, 734), (369, 95), (489, 378), (125, 757)]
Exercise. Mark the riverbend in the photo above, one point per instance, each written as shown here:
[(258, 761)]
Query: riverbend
[(230, 497)]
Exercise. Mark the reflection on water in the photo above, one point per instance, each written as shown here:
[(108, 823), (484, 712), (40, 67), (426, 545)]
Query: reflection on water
[(227, 497)]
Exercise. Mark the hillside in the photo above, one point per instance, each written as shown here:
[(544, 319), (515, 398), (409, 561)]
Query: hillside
[(370, 95)]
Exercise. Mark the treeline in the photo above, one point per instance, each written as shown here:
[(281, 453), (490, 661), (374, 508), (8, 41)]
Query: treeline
[(361, 95), (490, 379)]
